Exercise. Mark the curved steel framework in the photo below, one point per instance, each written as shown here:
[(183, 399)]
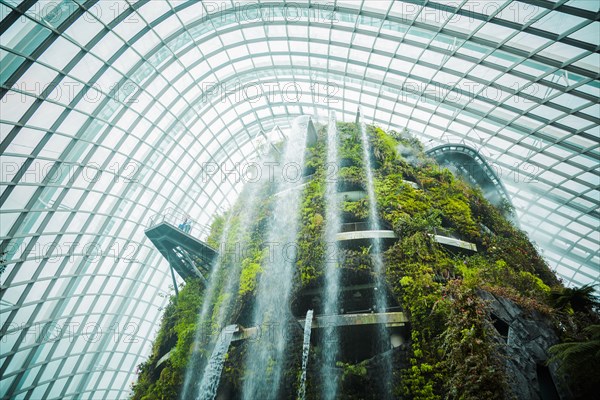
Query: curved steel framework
[(474, 168), (111, 110)]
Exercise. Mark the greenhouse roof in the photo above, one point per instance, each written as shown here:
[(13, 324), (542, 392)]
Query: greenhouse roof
[(111, 111)]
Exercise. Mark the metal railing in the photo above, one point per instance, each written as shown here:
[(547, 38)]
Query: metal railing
[(180, 220), (362, 226), (447, 232)]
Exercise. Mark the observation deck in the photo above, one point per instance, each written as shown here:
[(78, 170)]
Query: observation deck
[(178, 242), (448, 238), (389, 319), (356, 234)]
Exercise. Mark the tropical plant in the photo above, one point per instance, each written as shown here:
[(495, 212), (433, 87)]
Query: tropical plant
[(580, 361), (581, 299)]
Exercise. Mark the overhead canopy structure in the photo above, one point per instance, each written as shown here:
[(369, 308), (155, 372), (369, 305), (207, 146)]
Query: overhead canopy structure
[(111, 111), (468, 163)]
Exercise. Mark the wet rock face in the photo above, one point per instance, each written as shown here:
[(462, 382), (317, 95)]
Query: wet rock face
[(524, 346)]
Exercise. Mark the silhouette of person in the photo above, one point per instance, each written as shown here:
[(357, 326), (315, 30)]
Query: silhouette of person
[(187, 226)]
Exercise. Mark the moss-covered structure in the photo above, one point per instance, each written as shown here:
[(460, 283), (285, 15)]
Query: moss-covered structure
[(456, 344)]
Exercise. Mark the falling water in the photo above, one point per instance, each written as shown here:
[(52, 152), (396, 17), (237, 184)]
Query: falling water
[(212, 374), (247, 215), (332, 276), (380, 296), (208, 301), (266, 356), (305, 350)]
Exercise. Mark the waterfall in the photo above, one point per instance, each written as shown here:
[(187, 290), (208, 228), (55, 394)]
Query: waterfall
[(380, 300), (305, 351), (266, 355), (332, 276), (247, 215), (380, 295), (212, 374), (208, 300)]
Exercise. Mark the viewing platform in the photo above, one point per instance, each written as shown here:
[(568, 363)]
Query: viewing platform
[(412, 184), (178, 242), (448, 238), (352, 195), (164, 358), (355, 234), (390, 319)]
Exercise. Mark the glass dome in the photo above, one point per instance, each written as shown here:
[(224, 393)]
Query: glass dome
[(114, 111)]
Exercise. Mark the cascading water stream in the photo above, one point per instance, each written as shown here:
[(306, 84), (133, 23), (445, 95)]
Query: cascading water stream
[(212, 371), (212, 374), (266, 355), (380, 296), (209, 297), (247, 216), (332, 275), (305, 351)]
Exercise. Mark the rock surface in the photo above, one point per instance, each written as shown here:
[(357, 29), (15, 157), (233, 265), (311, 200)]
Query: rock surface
[(525, 350)]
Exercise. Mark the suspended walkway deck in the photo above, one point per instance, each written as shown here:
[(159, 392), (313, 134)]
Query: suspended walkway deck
[(359, 234), (178, 242), (390, 319)]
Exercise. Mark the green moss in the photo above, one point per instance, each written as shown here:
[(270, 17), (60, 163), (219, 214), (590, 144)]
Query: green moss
[(216, 230), (383, 145), (177, 332), (471, 362), (249, 277), (310, 246)]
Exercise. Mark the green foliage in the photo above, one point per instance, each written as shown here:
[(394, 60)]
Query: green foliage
[(471, 362), (518, 252), (176, 334), (531, 285), (580, 362), (216, 230), (581, 299), (352, 174), (408, 141), (359, 369), (358, 209), (222, 299), (356, 260), (383, 145), (420, 294), (413, 263), (311, 247), (354, 381), (522, 287), (251, 268), (418, 268), (406, 209), (449, 195)]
